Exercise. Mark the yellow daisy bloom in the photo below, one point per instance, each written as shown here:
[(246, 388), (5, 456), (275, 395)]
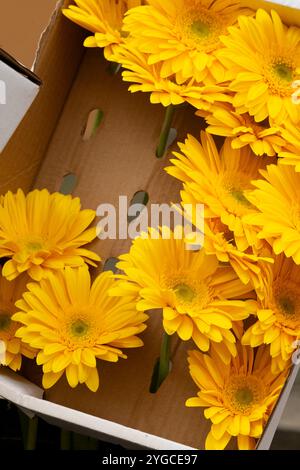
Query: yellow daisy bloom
[(248, 266), (278, 323), (104, 18), (219, 241), (195, 294), (277, 199), (290, 155), (42, 232), (263, 139), (148, 78), (238, 398), (263, 58), (183, 35), (221, 181), (73, 323), (11, 347)]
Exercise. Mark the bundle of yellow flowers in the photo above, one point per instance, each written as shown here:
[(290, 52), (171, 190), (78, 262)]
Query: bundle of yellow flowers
[(236, 298), (203, 294)]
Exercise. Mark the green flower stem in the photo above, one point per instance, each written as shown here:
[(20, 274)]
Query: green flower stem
[(164, 361), (165, 131), (31, 435), (114, 68), (162, 366)]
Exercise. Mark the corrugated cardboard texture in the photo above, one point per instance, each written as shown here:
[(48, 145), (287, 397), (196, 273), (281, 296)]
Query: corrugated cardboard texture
[(119, 159)]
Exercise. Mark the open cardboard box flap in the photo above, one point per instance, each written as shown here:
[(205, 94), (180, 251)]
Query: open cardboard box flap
[(118, 160)]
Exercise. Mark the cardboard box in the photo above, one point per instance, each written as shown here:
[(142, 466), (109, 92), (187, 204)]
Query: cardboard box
[(18, 89), (118, 159)]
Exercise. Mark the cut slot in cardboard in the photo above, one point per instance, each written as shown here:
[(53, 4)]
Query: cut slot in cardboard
[(118, 158)]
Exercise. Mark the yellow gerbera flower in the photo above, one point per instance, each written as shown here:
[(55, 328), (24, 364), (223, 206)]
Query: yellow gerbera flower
[(221, 181), (43, 232), (238, 398), (263, 57), (73, 323), (278, 323), (11, 347), (264, 139), (219, 241), (290, 155), (183, 35), (189, 286), (148, 78), (248, 266), (104, 18), (277, 198)]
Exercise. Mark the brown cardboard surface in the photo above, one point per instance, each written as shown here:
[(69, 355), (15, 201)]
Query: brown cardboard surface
[(118, 160)]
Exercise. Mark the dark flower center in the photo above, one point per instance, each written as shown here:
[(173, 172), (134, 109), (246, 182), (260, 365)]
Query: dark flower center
[(79, 328)]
